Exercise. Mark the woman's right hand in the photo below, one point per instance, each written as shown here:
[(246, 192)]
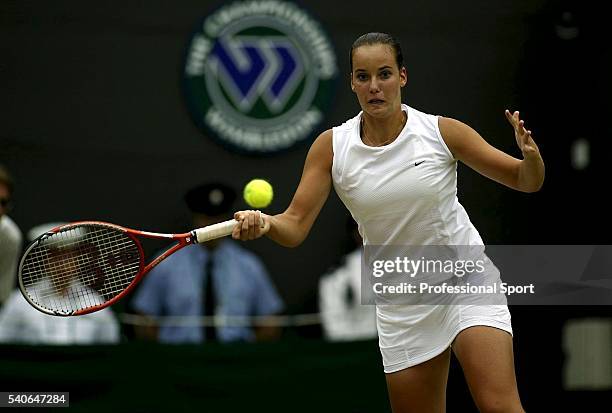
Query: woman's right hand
[(251, 225)]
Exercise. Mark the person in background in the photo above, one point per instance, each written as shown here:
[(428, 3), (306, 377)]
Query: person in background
[(10, 238), (344, 316), (216, 279), (20, 323)]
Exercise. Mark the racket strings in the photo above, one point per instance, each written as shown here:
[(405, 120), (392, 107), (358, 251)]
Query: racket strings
[(80, 267)]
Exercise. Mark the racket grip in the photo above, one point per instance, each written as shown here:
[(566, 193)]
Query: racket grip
[(209, 232)]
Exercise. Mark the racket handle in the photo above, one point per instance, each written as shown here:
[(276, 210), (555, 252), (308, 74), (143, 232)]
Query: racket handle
[(209, 232), (222, 229)]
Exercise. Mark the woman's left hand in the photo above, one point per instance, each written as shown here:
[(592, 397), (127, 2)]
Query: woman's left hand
[(523, 136)]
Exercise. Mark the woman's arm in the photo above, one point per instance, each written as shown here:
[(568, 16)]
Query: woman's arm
[(292, 226), (526, 175)]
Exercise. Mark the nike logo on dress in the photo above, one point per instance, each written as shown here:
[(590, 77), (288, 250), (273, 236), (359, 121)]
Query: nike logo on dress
[(418, 163)]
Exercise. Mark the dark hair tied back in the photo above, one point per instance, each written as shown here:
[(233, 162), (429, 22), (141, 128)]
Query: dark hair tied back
[(369, 39)]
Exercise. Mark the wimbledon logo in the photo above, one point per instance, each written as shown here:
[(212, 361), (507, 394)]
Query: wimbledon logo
[(259, 75)]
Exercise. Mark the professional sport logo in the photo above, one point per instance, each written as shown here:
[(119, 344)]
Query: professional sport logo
[(259, 75)]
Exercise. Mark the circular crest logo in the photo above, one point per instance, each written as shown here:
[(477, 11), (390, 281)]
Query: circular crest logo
[(259, 75)]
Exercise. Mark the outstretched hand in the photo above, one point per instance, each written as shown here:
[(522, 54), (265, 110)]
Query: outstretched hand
[(523, 136)]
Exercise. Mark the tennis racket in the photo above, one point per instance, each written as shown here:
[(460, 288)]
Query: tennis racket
[(83, 267)]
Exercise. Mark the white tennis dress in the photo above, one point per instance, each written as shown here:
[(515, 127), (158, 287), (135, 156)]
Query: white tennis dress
[(405, 193)]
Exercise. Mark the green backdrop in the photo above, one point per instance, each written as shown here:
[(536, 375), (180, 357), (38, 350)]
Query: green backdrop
[(287, 376)]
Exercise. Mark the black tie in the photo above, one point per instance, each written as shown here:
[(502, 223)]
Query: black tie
[(210, 331)]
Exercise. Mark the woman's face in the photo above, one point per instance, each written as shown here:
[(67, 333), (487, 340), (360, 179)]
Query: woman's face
[(376, 79)]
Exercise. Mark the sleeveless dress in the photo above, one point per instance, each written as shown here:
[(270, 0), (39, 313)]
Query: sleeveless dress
[(405, 193)]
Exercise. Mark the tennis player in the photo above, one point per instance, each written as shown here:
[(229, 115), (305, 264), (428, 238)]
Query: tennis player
[(394, 168)]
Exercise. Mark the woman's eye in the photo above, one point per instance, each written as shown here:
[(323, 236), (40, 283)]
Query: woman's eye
[(385, 74), (361, 76)]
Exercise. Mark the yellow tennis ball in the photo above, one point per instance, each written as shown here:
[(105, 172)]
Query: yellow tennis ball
[(258, 193)]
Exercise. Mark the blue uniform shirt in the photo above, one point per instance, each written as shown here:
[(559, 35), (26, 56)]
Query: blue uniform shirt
[(175, 288)]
